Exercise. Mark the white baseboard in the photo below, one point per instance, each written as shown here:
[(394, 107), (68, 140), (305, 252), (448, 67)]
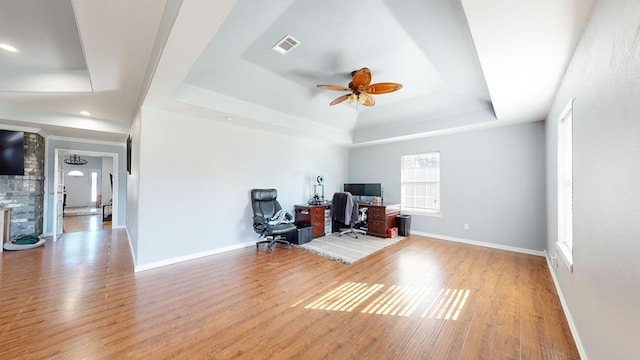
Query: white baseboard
[(567, 313), (180, 259), (481, 243)]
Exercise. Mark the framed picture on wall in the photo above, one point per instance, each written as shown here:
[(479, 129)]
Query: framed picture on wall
[(129, 154)]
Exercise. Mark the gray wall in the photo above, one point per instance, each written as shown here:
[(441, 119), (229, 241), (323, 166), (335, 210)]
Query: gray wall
[(603, 292), (191, 191), (492, 179)]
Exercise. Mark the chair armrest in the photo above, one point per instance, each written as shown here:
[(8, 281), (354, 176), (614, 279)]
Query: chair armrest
[(260, 224)]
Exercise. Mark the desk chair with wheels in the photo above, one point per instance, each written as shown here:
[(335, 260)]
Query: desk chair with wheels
[(345, 211), (265, 206)]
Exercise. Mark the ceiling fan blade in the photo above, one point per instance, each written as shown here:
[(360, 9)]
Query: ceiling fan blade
[(340, 99), (369, 100), (383, 88), (361, 78), (334, 87)]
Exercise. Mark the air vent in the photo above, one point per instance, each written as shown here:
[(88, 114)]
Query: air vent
[(285, 45)]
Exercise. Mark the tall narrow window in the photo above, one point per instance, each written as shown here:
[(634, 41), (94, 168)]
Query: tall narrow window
[(565, 185), (94, 186), (420, 183)]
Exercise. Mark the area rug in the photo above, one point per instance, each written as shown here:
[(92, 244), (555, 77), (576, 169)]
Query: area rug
[(346, 249)]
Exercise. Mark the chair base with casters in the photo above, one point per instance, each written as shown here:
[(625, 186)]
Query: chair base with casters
[(353, 229), (277, 235), (353, 232)]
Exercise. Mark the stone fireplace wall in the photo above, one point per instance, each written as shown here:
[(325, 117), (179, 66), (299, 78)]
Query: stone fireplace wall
[(25, 194)]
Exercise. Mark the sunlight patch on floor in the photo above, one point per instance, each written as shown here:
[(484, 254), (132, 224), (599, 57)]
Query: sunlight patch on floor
[(345, 297), (394, 300), (397, 300), (448, 304)]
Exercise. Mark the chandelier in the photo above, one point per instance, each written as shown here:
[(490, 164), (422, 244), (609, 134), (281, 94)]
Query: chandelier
[(75, 160)]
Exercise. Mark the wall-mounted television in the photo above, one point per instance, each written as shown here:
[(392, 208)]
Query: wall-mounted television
[(11, 152), (364, 189)]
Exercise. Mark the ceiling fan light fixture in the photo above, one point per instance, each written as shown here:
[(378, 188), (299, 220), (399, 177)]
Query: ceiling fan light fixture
[(285, 45), (361, 89)]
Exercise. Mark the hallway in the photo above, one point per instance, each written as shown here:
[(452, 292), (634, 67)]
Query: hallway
[(81, 223)]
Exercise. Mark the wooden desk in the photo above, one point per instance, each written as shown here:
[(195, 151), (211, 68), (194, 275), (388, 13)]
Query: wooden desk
[(313, 215), (380, 218)]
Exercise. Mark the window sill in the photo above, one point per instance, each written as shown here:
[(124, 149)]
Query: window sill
[(420, 212), (566, 255)]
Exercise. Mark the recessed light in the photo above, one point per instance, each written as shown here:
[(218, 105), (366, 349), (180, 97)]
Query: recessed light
[(228, 118), (85, 113), (8, 47)]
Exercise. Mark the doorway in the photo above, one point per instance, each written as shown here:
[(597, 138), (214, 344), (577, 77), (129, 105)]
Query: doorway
[(88, 191)]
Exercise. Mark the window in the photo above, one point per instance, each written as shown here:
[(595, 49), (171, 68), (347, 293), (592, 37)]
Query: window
[(94, 186), (420, 183), (565, 185)]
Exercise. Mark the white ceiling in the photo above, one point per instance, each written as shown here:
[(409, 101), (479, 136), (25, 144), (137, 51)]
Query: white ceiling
[(463, 64), (111, 39)]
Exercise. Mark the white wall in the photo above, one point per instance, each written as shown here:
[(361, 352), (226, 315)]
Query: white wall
[(491, 179), (78, 188), (133, 186), (603, 292), (196, 176)]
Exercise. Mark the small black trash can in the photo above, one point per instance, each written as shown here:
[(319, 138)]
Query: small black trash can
[(403, 222)]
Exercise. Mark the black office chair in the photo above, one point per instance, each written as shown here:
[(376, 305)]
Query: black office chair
[(265, 206), (345, 210)]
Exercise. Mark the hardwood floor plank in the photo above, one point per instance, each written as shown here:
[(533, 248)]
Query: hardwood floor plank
[(421, 298)]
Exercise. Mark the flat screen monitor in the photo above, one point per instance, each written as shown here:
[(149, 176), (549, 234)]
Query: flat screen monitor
[(364, 189), (354, 189), (11, 152)]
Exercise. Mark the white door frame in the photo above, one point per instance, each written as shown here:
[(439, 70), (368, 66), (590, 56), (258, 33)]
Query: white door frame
[(60, 153)]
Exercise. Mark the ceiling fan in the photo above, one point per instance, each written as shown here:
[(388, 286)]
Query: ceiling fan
[(361, 89)]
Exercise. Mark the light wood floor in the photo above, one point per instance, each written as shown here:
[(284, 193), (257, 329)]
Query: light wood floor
[(419, 299), (85, 223)]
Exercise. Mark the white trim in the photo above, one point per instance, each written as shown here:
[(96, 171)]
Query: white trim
[(180, 259), (89, 141), (565, 254), (20, 128), (483, 244), (420, 212), (567, 313), (568, 108)]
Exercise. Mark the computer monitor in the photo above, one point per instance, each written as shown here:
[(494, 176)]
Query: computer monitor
[(364, 189)]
